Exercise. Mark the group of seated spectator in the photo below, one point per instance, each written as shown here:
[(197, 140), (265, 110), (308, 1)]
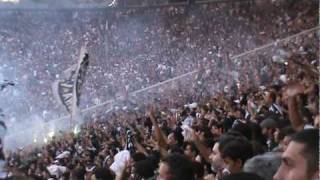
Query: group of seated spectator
[(253, 117)]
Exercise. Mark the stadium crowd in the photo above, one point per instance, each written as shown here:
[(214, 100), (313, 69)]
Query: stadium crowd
[(252, 134), (135, 48), (249, 117)]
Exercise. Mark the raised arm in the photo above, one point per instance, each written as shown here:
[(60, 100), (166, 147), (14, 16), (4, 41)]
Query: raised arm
[(291, 93), (204, 151), (161, 139)]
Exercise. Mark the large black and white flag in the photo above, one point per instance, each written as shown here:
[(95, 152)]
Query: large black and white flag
[(67, 89)]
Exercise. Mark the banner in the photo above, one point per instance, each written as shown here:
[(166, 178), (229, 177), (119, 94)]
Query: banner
[(67, 89)]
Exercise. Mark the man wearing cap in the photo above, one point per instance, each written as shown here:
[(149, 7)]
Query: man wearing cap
[(269, 126)]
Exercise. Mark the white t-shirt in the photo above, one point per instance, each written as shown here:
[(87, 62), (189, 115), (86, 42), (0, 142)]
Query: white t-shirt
[(308, 126), (188, 121), (56, 170)]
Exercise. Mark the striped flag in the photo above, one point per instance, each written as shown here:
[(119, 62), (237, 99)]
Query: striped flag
[(67, 89)]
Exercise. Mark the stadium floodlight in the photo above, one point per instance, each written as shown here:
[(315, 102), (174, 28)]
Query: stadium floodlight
[(10, 1)]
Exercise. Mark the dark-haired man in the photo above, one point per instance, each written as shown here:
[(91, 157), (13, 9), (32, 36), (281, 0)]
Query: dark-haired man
[(270, 99), (235, 153), (300, 160), (176, 167)]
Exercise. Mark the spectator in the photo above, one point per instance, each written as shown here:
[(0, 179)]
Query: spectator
[(235, 153), (301, 158), (176, 167), (265, 165), (269, 126), (104, 174)]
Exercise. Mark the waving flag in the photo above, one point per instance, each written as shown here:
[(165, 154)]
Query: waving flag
[(5, 84), (67, 89)]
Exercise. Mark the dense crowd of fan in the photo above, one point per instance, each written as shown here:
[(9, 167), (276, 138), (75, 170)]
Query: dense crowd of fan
[(251, 117), (243, 135), (134, 48)]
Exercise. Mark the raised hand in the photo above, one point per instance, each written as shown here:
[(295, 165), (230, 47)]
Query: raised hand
[(293, 90)]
